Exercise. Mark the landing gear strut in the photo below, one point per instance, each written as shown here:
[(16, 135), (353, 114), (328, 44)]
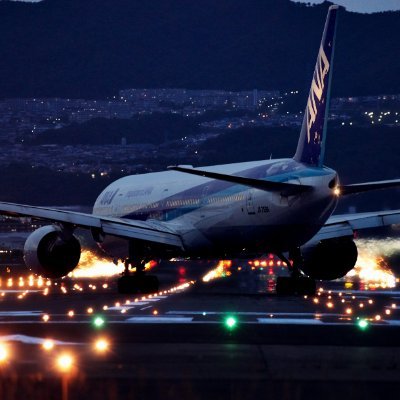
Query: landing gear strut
[(137, 281), (297, 283)]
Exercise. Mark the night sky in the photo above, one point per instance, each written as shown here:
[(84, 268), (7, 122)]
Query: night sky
[(362, 6)]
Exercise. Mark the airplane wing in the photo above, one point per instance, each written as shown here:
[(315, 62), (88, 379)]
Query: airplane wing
[(346, 224), (367, 186), (152, 231), (156, 232), (287, 189)]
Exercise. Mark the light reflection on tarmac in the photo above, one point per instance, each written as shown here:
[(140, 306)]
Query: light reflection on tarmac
[(342, 338), (248, 295)]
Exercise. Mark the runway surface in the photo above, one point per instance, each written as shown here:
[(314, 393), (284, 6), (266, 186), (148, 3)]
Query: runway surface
[(229, 338)]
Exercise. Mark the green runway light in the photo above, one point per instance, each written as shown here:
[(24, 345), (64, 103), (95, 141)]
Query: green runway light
[(363, 324), (230, 322), (98, 322)]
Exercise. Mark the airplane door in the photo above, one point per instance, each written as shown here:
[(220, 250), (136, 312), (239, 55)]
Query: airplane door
[(250, 203)]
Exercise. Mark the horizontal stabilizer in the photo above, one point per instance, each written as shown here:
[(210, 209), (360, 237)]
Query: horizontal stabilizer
[(368, 186), (287, 189)]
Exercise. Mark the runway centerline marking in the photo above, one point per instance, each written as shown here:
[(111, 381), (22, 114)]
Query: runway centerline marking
[(291, 321), (128, 306), (134, 304), (33, 340), (157, 320), (26, 291), (20, 313), (261, 314)]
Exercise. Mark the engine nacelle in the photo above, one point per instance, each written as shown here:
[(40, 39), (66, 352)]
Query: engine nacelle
[(46, 253), (330, 259)]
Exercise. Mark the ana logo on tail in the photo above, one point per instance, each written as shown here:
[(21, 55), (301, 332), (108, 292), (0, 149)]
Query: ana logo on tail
[(317, 89)]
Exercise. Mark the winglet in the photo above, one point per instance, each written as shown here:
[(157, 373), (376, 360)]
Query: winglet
[(311, 145)]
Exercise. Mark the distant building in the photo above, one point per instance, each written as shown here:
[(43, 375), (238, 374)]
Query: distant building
[(153, 99)]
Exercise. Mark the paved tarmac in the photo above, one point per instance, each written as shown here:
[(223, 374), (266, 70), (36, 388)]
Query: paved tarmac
[(178, 343)]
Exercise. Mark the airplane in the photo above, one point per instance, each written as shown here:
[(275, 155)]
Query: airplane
[(239, 210)]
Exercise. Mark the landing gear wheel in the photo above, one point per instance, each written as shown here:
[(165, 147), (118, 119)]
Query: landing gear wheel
[(285, 286), (289, 286), (152, 284), (132, 284), (306, 286)]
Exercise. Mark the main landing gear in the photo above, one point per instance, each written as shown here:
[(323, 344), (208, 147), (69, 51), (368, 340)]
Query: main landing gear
[(133, 283), (137, 281), (297, 283)]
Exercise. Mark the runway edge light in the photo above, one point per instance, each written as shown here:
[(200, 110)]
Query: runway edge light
[(231, 322), (98, 321), (363, 324)]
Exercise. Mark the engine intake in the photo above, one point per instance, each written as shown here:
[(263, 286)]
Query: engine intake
[(46, 253), (330, 259)]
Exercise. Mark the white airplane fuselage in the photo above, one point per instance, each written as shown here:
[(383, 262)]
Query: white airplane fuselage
[(223, 219)]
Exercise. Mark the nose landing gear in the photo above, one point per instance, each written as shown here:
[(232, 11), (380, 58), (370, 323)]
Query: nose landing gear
[(289, 286), (134, 283), (138, 281)]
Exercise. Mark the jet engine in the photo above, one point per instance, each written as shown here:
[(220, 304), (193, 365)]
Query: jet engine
[(50, 253), (330, 259)]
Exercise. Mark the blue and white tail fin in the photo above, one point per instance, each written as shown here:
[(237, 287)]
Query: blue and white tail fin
[(311, 146)]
